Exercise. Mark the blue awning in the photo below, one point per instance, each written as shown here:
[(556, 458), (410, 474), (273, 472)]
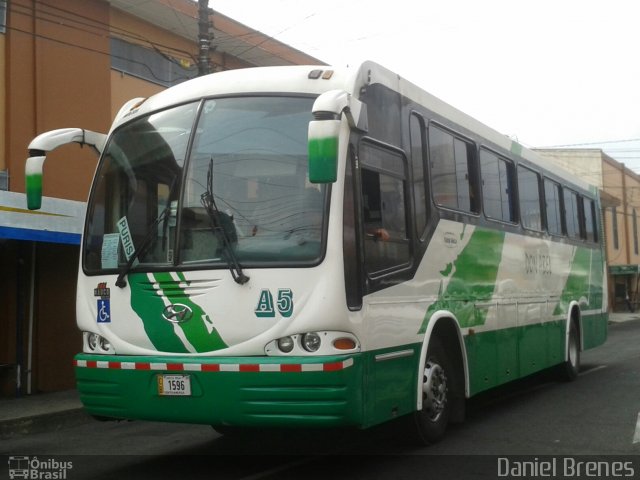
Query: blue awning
[(58, 221)]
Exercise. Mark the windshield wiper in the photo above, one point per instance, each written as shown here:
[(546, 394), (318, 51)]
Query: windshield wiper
[(146, 242), (218, 228), (143, 247)]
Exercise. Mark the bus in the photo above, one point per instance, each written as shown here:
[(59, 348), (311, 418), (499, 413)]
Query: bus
[(309, 246)]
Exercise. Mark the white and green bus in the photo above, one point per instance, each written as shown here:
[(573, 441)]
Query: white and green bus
[(315, 247)]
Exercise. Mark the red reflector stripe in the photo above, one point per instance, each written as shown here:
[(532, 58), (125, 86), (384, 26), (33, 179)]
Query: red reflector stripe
[(210, 367), (285, 367), (216, 367), (332, 367)]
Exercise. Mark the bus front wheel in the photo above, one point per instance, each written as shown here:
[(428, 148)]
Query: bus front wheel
[(430, 423)]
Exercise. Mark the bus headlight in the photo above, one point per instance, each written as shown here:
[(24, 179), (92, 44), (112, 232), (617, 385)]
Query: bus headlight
[(285, 344), (314, 343), (104, 344), (94, 343), (311, 342)]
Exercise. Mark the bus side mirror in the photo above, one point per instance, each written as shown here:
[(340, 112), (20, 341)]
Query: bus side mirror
[(323, 150), (33, 181), (46, 142), (324, 132)]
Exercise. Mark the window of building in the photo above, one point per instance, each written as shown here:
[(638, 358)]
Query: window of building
[(453, 171), (529, 192), (498, 194), (552, 194), (417, 167), (148, 64), (3, 16), (383, 177), (635, 232)]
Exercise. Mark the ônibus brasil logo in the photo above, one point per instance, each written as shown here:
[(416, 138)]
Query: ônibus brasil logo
[(34, 468)]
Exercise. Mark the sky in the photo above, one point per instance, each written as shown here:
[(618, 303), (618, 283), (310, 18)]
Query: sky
[(544, 72)]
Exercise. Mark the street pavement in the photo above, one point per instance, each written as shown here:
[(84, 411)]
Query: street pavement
[(58, 410)]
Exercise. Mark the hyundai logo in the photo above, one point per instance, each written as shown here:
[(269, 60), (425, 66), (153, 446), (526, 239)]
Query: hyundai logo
[(177, 313)]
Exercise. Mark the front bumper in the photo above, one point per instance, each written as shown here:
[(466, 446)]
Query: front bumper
[(238, 391)]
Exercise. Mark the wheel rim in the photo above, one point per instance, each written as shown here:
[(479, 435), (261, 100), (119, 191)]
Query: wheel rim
[(434, 391)]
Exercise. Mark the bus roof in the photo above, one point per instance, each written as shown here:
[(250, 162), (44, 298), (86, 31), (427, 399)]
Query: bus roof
[(314, 80)]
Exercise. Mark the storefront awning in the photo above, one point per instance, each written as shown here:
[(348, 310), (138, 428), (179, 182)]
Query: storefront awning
[(58, 221), (624, 269)]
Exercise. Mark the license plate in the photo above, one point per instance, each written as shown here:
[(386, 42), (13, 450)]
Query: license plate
[(174, 385)]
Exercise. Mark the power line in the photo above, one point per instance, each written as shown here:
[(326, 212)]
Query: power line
[(100, 29), (72, 20), (593, 143)]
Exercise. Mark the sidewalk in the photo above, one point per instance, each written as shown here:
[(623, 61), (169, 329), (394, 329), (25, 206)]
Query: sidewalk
[(624, 317), (54, 411), (41, 412)]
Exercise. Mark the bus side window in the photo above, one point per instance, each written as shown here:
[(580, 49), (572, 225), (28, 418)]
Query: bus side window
[(453, 171), (383, 180), (417, 130), (529, 192), (590, 220), (572, 214), (498, 192), (553, 207)]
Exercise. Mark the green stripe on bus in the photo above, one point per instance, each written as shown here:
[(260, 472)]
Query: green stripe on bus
[(474, 278), (585, 281), (149, 303)]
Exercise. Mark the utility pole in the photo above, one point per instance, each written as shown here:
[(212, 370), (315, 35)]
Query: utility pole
[(204, 38)]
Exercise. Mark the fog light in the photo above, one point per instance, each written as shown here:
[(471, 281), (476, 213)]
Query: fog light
[(285, 344), (311, 342)]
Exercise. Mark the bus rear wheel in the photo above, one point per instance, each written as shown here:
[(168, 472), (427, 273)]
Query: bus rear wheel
[(570, 369), (430, 423)]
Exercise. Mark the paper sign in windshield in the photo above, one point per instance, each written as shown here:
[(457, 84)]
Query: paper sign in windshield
[(109, 252)]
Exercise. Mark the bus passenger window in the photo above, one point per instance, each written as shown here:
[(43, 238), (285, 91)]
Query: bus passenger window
[(529, 190), (497, 187), (590, 220), (417, 167), (572, 214), (554, 213), (453, 171), (383, 209)]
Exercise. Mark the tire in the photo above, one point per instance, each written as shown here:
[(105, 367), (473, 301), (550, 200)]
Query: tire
[(430, 423), (570, 369)]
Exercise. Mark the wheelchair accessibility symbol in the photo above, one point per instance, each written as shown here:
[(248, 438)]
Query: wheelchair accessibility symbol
[(104, 311)]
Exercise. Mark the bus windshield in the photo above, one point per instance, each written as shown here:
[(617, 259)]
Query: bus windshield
[(160, 174)]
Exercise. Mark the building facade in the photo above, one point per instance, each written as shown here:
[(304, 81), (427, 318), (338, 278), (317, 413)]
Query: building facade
[(620, 194), (74, 63)]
